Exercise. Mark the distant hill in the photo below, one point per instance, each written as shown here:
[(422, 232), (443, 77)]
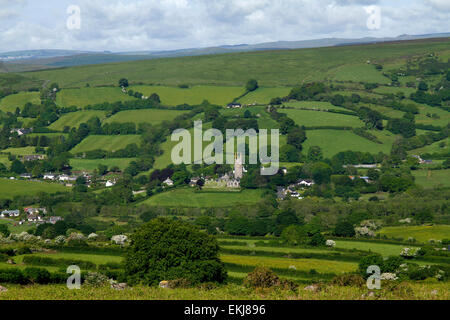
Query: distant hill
[(271, 68), (18, 61)]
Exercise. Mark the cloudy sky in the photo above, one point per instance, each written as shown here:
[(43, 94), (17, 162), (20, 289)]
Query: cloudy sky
[(133, 25)]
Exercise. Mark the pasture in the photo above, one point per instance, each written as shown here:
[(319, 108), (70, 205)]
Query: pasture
[(433, 148), (384, 249), (309, 118), (360, 73), (92, 164), (335, 141), (264, 95), (152, 116), (24, 151), (432, 178), (202, 199), (107, 143), (321, 266), (90, 96), (11, 188), (173, 96), (422, 290), (420, 233), (18, 100), (74, 119), (317, 105), (271, 68)]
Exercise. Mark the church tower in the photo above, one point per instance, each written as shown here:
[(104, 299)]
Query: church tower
[(238, 167)]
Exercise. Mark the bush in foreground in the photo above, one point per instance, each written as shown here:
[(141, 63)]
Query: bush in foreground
[(164, 249)]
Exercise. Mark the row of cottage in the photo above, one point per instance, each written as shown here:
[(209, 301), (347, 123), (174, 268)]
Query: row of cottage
[(66, 178), (33, 215)]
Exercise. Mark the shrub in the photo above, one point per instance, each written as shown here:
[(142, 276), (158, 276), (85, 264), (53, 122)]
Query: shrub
[(348, 280), (391, 264), (12, 275), (23, 250), (95, 280), (367, 261), (262, 277), (344, 229), (164, 249), (37, 275)]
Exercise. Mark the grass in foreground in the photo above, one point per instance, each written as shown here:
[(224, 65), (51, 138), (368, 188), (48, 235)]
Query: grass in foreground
[(418, 291)]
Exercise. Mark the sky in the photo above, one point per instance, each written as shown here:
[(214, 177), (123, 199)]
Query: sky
[(151, 25)]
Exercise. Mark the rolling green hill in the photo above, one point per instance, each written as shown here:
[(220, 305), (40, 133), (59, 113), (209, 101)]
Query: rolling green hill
[(270, 68)]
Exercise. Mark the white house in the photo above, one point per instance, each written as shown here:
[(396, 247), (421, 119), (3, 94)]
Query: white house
[(10, 213), (307, 183), (110, 183), (49, 176), (168, 182)]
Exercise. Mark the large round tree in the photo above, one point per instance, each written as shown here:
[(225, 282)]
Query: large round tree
[(164, 249)]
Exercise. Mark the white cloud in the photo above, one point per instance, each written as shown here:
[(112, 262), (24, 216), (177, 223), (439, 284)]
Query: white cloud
[(120, 25)]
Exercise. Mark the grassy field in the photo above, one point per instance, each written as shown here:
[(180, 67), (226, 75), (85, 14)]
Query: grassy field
[(270, 68), (152, 116), (394, 90), (334, 141), (25, 151), (421, 290), (321, 266), (14, 227), (178, 198), (10, 103), (173, 96), (432, 178), (318, 105), (309, 118), (92, 164), (360, 72), (433, 148), (420, 233), (264, 95), (95, 258), (12, 188), (90, 96), (74, 119), (107, 143), (381, 248)]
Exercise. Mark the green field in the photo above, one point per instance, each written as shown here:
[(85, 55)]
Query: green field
[(420, 233), (25, 151), (10, 103), (309, 118), (14, 227), (152, 116), (90, 96), (12, 188), (335, 141), (422, 290), (393, 90), (270, 68), (321, 266), (433, 148), (384, 249), (107, 143), (173, 96), (92, 164), (187, 197), (264, 95), (318, 105), (74, 119), (432, 178), (360, 73)]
